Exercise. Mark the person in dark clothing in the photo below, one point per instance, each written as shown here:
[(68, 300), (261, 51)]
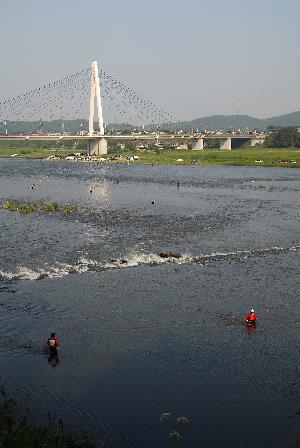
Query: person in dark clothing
[(53, 344)]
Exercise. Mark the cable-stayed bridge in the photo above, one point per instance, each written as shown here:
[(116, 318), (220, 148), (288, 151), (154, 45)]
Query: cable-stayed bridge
[(83, 94)]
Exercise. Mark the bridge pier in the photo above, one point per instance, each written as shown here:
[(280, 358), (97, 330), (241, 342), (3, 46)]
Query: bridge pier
[(257, 141), (198, 144), (97, 146), (225, 143)]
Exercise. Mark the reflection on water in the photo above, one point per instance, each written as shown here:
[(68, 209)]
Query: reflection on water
[(142, 335), (53, 360), (251, 328), (100, 191)]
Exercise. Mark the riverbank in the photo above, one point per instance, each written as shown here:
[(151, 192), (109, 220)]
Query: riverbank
[(18, 431), (239, 157), (31, 152)]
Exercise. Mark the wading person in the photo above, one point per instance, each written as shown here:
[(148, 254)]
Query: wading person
[(53, 344), (251, 317)]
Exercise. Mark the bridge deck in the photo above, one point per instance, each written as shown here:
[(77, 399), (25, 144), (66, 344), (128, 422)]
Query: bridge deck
[(36, 137)]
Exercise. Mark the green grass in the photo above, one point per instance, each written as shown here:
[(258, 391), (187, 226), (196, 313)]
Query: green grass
[(50, 208), (33, 152), (30, 207), (24, 207), (235, 157), (18, 431), (27, 207), (69, 209), (10, 205)]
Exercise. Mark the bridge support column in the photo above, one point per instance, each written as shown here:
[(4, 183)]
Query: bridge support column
[(95, 92), (225, 143), (97, 146), (257, 141), (198, 144)]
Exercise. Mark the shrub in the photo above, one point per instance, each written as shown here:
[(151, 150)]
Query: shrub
[(69, 208), (27, 207), (52, 207), (10, 205)]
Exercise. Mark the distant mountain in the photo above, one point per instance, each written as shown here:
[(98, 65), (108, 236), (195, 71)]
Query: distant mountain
[(225, 122), (214, 122), (292, 119), (54, 126)]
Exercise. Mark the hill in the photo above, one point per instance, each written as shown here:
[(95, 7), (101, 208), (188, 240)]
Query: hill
[(214, 122), (225, 122)]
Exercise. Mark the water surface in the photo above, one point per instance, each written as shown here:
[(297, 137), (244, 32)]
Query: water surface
[(142, 335)]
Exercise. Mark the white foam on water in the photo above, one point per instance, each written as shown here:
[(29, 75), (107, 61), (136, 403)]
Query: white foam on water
[(87, 261), (59, 270), (137, 259), (134, 259), (63, 269), (7, 275), (24, 273), (56, 271)]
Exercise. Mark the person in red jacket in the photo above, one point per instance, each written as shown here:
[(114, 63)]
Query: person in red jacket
[(251, 317), (53, 344)]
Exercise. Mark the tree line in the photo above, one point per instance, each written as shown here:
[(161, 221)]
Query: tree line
[(288, 137)]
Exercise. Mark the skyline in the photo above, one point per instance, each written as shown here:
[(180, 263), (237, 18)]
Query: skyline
[(211, 60)]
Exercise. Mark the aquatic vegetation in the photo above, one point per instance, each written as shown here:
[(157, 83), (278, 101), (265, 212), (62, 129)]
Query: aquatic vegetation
[(17, 429), (265, 187), (175, 432), (175, 436), (69, 209), (182, 422), (10, 205), (29, 207), (22, 207), (51, 207), (165, 416)]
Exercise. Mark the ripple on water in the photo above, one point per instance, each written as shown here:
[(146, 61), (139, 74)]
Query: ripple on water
[(136, 259)]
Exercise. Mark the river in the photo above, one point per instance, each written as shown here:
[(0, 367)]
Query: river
[(143, 335)]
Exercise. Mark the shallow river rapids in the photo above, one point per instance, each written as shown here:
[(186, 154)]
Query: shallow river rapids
[(145, 333)]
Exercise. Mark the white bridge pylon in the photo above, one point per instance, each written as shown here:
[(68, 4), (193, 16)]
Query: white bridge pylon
[(95, 93)]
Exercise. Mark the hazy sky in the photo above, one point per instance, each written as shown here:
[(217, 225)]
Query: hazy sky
[(193, 58)]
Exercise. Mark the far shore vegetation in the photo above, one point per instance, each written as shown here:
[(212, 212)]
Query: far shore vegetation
[(281, 148), (287, 157)]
